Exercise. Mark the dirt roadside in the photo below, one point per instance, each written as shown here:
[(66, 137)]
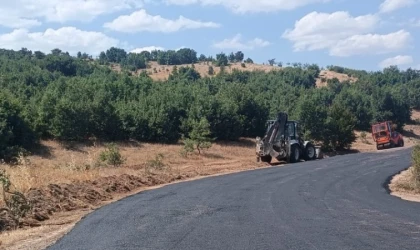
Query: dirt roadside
[(402, 186), (63, 186), (48, 232)]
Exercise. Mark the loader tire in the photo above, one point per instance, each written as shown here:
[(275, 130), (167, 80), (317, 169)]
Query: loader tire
[(295, 154), (310, 152), (266, 158)]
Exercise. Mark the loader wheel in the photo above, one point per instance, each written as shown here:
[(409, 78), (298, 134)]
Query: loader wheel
[(310, 153), (295, 154), (266, 158)]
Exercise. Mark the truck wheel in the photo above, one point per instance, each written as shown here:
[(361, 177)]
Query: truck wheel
[(378, 147), (295, 154), (310, 153), (266, 158), (401, 143)]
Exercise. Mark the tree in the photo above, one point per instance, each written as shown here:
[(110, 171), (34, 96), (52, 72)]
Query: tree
[(340, 125), (134, 60), (39, 55), (239, 56), (116, 55), (103, 59), (56, 52), (15, 132), (202, 58), (272, 61), (79, 54), (231, 57), (221, 59), (210, 70), (187, 56), (249, 60), (146, 55), (199, 136)]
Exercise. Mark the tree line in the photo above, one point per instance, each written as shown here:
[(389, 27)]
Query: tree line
[(133, 61), (57, 96)]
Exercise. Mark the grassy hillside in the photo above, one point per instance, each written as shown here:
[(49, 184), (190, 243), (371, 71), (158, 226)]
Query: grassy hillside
[(162, 72)]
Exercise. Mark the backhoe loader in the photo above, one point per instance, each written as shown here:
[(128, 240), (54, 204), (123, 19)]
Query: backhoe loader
[(283, 141)]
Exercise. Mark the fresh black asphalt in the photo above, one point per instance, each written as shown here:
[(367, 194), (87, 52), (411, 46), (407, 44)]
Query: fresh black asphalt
[(335, 203)]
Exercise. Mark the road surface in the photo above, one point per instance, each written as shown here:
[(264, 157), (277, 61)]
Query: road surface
[(335, 203)]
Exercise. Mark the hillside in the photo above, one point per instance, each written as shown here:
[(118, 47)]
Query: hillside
[(77, 134), (162, 72)]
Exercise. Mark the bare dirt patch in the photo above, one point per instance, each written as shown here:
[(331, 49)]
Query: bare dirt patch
[(403, 186), (325, 75), (162, 72)]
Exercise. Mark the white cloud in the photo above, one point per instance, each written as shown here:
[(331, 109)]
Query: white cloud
[(397, 60), (67, 39), (15, 22), (251, 6), (344, 35), (392, 5), (322, 30), (237, 42), (142, 21), (373, 44), (27, 13), (148, 48)]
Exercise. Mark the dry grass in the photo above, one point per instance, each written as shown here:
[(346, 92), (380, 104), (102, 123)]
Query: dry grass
[(328, 75), (64, 165), (162, 72)]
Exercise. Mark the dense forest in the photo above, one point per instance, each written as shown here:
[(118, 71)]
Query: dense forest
[(57, 96)]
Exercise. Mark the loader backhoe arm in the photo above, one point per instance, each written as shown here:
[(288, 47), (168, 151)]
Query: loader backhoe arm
[(278, 126)]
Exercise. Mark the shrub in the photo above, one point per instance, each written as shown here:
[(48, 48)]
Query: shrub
[(199, 137), (243, 65), (16, 202), (416, 164), (210, 70), (111, 155), (156, 163)]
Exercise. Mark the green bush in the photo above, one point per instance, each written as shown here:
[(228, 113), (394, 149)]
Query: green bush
[(156, 163), (199, 137), (15, 132), (111, 155), (416, 164)]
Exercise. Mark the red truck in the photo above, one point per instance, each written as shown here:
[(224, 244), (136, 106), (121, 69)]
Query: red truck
[(385, 136)]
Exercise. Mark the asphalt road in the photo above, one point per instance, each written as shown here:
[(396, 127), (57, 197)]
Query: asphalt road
[(335, 203)]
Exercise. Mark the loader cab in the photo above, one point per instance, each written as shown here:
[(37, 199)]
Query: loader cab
[(292, 130)]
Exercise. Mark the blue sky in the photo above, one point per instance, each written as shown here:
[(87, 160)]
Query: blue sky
[(358, 34)]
